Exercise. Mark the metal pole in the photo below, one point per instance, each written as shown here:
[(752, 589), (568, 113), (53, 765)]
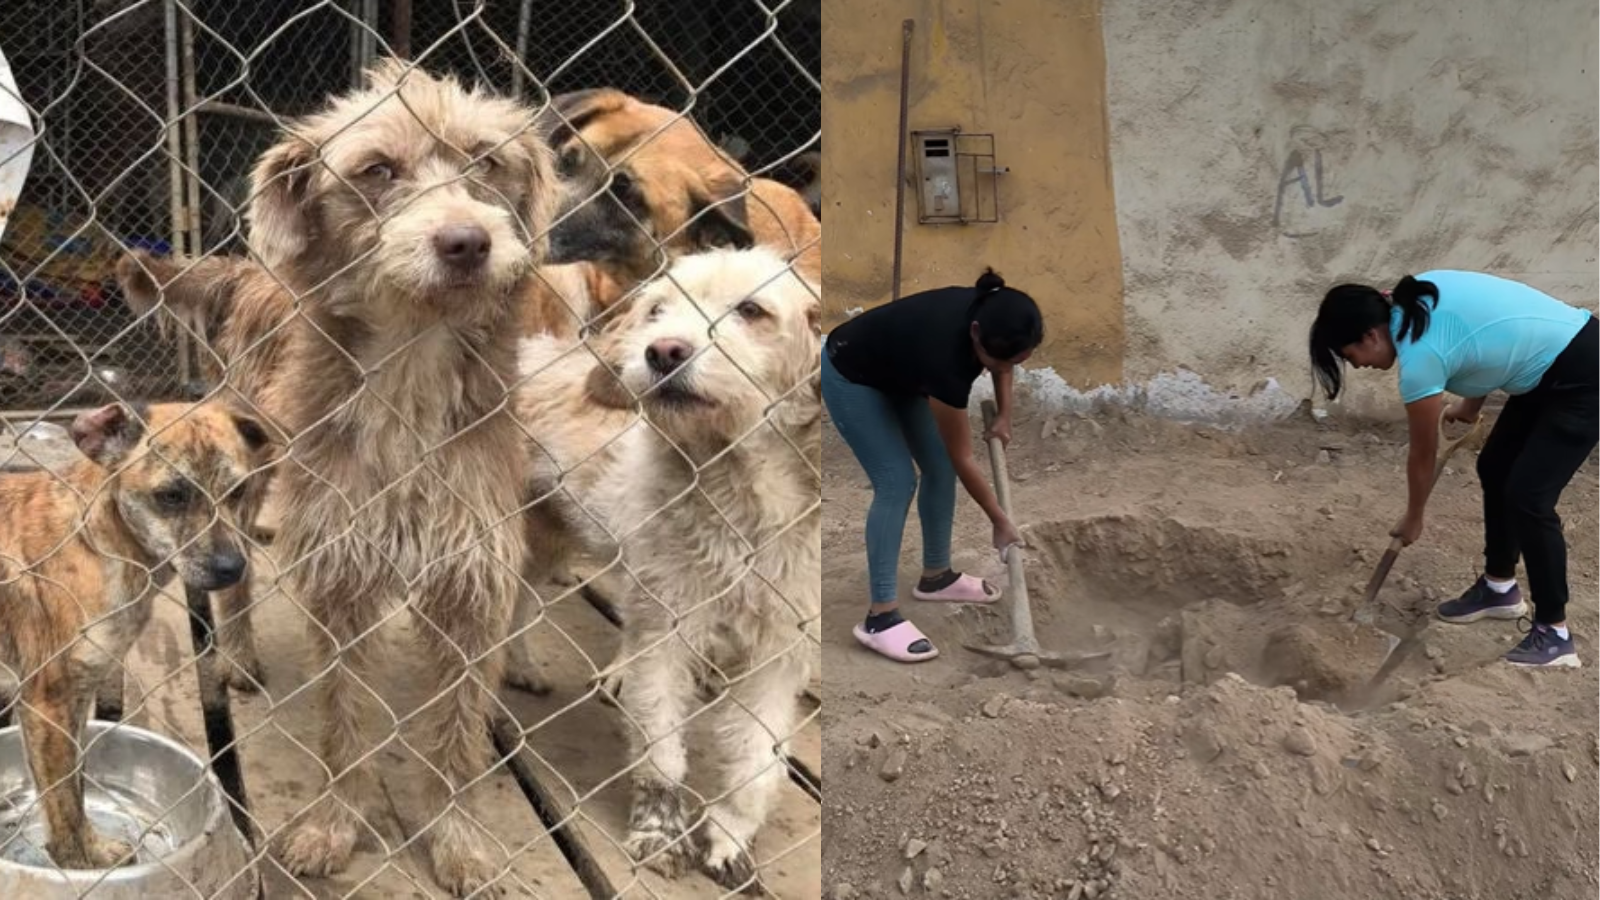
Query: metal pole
[(191, 137), (175, 157), (906, 28), (400, 29), (524, 24)]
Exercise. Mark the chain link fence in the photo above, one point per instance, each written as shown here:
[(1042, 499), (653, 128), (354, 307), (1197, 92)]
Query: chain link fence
[(365, 707)]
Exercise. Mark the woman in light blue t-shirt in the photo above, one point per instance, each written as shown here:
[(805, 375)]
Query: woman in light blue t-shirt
[(1471, 334)]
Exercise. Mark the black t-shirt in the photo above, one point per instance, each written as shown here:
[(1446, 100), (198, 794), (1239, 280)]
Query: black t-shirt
[(918, 346)]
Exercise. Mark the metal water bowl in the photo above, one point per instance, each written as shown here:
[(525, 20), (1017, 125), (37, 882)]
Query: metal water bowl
[(140, 788)]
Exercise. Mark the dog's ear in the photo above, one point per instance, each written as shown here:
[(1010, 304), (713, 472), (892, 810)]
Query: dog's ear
[(579, 108), (256, 439), (719, 225), (138, 274), (279, 188), (106, 435)]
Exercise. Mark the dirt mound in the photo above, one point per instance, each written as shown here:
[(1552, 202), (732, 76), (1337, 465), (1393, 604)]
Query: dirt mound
[(1208, 756)]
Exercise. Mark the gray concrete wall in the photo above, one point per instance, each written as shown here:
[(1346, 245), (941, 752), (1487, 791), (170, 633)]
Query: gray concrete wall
[(1263, 150)]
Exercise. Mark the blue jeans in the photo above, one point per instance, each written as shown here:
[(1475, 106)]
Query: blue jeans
[(887, 434)]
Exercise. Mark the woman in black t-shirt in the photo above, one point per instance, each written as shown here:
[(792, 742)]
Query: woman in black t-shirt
[(896, 380)]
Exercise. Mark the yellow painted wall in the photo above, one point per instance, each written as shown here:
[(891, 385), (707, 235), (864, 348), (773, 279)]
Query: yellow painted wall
[(1031, 72)]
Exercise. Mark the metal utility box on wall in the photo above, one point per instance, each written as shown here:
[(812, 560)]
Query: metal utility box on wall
[(956, 177)]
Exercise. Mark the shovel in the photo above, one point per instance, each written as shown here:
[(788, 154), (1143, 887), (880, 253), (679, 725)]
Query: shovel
[(1400, 647), (1023, 651)]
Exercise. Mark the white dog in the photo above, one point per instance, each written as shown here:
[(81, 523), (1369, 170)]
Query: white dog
[(715, 497)]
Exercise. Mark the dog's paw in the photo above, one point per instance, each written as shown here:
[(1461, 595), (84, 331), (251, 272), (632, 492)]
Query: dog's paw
[(658, 829), (316, 847), (526, 677), (730, 865), (669, 855), (93, 852), (463, 870)]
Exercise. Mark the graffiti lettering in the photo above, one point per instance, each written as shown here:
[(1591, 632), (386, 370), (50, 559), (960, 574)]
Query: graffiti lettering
[(1294, 173)]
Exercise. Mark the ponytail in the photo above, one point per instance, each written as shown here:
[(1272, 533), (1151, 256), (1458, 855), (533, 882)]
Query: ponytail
[(1408, 297), (989, 282)]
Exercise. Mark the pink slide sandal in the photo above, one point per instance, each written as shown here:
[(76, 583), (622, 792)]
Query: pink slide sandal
[(895, 642), (965, 589)]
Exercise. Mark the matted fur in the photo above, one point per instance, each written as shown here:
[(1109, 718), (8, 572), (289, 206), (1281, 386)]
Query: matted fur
[(393, 389), (716, 499), (82, 555)]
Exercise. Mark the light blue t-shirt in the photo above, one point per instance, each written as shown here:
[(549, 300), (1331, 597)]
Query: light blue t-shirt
[(1486, 333)]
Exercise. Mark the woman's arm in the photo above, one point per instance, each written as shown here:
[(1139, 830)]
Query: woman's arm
[(1423, 418), (1465, 410), (956, 433), (1003, 380)]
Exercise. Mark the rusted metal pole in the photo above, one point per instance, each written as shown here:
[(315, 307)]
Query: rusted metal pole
[(906, 27), (400, 29)]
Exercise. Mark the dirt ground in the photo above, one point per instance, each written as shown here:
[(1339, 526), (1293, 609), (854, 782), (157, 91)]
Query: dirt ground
[(1210, 755)]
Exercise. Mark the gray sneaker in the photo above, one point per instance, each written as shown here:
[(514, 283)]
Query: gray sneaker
[(1483, 602), (1542, 648)]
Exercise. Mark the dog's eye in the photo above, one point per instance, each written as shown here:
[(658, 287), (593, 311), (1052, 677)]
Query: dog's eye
[(621, 183), (568, 163), (485, 164), (173, 496), (381, 171), (655, 311), (750, 310)]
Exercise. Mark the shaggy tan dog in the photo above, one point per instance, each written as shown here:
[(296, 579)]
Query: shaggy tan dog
[(406, 220)]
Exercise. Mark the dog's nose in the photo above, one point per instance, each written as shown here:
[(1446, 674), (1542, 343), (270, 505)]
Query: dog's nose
[(667, 354), (462, 246), (225, 568)]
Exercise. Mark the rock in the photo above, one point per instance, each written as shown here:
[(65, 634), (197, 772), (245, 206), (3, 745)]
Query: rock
[(1110, 791), (1081, 686), (994, 705), (1432, 652), (1524, 743), (895, 765), (905, 881), (1260, 770), (1439, 811), (1324, 457), (1091, 889), (931, 880), (1453, 788), (1374, 846), (1461, 740), (1076, 891), (915, 847), (1298, 741), (1569, 772), (844, 890), (1203, 742)]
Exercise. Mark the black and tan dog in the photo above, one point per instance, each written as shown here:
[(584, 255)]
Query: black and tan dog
[(82, 555), (643, 185)]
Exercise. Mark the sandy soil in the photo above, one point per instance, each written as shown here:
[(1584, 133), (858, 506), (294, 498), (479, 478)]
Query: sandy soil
[(1219, 751)]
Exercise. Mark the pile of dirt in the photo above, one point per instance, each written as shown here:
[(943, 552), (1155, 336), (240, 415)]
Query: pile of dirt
[(1231, 790), (1213, 754)]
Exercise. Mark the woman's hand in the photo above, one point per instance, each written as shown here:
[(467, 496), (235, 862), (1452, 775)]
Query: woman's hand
[(1409, 529), (1006, 535), (1000, 428), (1464, 410)]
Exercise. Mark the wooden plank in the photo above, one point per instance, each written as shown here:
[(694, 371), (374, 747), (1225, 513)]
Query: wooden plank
[(285, 778), (576, 748)]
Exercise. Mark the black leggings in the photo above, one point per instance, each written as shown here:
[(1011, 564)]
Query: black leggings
[(1537, 445)]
